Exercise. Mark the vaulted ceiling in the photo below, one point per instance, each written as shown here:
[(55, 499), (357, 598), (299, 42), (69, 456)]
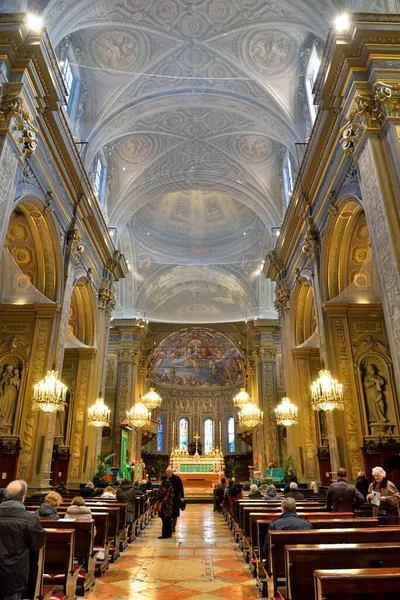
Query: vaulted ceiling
[(192, 104)]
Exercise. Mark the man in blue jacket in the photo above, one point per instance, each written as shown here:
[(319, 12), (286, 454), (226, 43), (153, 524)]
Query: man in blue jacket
[(20, 533), (288, 520)]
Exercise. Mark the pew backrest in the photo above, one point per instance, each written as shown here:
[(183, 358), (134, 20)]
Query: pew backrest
[(355, 583)]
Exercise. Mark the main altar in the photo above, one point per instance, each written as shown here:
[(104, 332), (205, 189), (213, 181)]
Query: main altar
[(198, 472)]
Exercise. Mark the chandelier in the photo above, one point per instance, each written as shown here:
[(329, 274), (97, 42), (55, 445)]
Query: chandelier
[(250, 416), (138, 415), (327, 393), (286, 413), (241, 399), (152, 400), (99, 414), (49, 394)]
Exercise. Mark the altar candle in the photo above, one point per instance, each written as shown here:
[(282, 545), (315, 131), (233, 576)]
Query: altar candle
[(173, 434), (220, 434)]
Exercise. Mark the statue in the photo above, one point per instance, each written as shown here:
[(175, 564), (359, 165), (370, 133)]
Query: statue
[(373, 385), (9, 388), (61, 420)]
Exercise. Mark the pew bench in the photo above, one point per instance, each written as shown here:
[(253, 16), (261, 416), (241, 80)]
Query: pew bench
[(355, 584), (278, 540), (59, 568), (302, 560), (35, 589)]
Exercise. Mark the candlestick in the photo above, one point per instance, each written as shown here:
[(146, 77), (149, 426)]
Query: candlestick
[(220, 434), (173, 434)]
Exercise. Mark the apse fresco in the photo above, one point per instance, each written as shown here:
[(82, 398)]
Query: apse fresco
[(197, 357)]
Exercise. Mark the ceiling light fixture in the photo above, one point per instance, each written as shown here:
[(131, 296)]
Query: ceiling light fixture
[(34, 22), (342, 23), (327, 393), (286, 413), (99, 414)]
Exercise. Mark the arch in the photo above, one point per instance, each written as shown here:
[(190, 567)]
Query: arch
[(82, 313), (305, 318), (34, 244), (346, 246)]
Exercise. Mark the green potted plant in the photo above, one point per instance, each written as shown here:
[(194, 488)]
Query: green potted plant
[(103, 463)]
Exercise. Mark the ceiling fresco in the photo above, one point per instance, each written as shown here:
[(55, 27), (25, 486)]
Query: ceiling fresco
[(196, 357), (192, 106)]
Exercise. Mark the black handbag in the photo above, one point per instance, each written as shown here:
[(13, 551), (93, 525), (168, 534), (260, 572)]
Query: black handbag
[(182, 505)]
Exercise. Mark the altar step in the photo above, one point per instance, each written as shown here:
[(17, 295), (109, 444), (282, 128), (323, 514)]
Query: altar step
[(199, 496)]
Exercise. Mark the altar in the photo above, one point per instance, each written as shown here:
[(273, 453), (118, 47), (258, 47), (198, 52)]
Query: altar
[(198, 472)]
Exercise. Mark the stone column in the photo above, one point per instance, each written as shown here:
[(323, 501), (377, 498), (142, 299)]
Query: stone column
[(380, 202)]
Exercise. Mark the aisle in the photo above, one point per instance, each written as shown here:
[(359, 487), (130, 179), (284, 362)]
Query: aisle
[(200, 561)]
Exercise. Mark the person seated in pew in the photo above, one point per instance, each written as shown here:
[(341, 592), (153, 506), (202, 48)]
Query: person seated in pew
[(88, 490), (61, 489), (109, 492), (342, 496), (271, 493), (79, 511), (137, 489), (288, 520), (20, 533), (294, 492), (48, 508), (389, 494), (291, 479), (254, 491)]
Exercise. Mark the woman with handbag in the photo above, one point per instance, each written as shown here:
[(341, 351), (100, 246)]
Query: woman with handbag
[(165, 499), (389, 494)]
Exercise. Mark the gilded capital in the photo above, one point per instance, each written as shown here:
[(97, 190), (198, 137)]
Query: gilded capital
[(16, 119)]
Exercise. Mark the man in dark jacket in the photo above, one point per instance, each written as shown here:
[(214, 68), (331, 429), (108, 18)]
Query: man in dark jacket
[(288, 520), (179, 495), (294, 492), (342, 496), (126, 493), (20, 533)]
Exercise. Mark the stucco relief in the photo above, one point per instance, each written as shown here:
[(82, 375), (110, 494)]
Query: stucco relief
[(269, 52), (115, 50), (307, 418), (8, 165), (253, 148), (269, 413), (79, 418), (137, 149), (28, 431)]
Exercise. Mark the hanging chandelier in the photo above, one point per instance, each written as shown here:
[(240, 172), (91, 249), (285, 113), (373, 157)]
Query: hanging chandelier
[(49, 394), (99, 414), (138, 415), (286, 413), (241, 399), (327, 393), (250, 416), (152, 400)]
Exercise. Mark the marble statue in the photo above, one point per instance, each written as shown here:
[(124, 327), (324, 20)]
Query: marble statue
[(373, 385), (9, 389)]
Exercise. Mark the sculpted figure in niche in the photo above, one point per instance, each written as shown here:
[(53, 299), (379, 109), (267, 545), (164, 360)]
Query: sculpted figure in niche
[(9, 388), (61, 420), (373, 385)]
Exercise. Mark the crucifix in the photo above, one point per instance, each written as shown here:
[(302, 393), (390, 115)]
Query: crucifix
[(196, 437)]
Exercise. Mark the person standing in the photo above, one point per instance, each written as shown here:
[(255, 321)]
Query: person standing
[(165, 502), (389, 494), (342, 496), (20, 533), (362, 483), (179, 495)]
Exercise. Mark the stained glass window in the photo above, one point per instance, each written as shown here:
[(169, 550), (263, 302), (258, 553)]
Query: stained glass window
[(67, 76), (183, 433), (160, 431), (231, 434), (98, 176), (208, 435)]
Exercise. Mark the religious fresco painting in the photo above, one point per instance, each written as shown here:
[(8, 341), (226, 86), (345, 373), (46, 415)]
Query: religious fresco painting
[(197, 357)]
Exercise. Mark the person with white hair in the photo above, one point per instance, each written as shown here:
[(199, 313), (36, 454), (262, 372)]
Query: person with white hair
[(20, 533), (389, 494), (294, 492), (254, 491)]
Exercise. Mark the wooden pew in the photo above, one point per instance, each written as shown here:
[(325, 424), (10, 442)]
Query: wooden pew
[(301, 561), (35, 589), (101, 544), (59, 569), (104, 504), (279, 539), (355, 584), (84, 553)]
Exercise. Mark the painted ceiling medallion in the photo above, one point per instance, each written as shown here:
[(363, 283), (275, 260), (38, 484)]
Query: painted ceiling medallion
[(269, 52), (117, 50)]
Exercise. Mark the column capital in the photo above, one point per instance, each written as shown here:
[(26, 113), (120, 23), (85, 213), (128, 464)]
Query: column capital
[(16, 120)]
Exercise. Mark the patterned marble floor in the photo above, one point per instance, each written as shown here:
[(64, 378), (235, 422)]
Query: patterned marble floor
[(201, 561)]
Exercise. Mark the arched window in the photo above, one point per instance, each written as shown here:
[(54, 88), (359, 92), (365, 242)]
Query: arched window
[(311, 75), (231, 434), (183, 433), (208, 435), (288, 179), (160, 432)]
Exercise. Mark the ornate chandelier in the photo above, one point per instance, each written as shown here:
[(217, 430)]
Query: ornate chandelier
[(327, 393), (250, 416), (138, 415), (99, 414), (152, 400), (286, 413), (49, 394), (241, 399)]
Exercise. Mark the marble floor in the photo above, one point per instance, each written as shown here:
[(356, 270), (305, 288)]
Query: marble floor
[(201, 561)]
